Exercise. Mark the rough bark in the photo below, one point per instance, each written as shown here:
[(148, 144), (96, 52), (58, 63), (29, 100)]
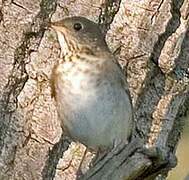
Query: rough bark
[(151, 40)]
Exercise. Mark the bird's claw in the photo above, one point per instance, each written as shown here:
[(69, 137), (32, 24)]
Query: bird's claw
[(159, 156)]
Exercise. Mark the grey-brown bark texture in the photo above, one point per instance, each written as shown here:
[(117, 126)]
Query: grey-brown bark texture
[(150, 39)]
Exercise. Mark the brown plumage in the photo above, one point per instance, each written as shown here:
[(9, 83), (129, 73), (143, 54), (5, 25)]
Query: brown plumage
[(89, 87)]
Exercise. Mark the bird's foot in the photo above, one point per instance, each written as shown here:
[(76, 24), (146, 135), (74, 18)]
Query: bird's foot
[(159, 156)]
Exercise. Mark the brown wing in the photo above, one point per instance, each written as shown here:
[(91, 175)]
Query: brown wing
[(126, 88), (123, 80)]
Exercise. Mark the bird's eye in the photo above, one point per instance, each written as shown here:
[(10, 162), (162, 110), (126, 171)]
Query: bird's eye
[(77, 26)]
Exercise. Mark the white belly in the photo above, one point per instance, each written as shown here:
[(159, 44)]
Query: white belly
[(94, 115)]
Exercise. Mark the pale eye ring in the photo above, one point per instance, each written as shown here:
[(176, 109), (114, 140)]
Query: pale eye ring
[(77, 26)]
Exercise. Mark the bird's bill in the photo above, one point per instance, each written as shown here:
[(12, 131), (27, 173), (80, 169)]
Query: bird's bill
[(57, 27)]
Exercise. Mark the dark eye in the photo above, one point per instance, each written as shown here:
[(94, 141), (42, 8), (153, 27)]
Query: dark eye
[(77, 26)]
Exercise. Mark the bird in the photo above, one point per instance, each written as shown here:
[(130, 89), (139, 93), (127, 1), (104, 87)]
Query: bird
[(89, 87)]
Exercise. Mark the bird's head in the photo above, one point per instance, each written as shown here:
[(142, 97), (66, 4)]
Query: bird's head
[(77, 34)]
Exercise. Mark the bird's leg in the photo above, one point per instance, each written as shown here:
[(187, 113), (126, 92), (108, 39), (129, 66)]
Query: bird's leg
[(160, 156), (118, 145), (100, 154), (79, 170)]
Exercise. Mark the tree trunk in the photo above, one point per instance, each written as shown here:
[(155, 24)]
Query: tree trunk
[(151, 40)]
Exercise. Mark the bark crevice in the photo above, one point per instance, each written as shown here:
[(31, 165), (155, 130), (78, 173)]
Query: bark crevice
[(9, 119)]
